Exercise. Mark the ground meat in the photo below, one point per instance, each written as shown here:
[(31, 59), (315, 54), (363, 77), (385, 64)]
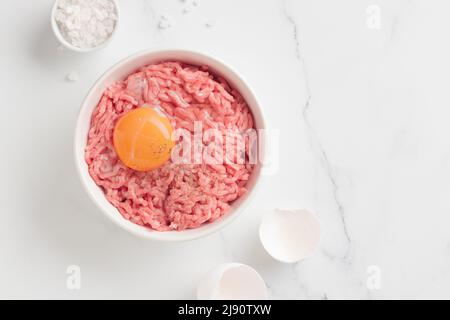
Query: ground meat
[(175, 196)]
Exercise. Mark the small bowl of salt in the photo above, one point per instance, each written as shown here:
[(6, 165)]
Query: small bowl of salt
[(85, 25)]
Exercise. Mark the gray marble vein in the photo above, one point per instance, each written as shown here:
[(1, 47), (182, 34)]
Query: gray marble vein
[(314, 138)]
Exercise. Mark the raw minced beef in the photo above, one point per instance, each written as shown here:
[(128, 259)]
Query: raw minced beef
[(174, 196)]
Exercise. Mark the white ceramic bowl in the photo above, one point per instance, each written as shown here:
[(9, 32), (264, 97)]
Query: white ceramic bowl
[(118, 72), (68, 45)]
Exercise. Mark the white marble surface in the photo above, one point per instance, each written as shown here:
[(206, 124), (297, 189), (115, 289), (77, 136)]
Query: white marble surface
[(363, 117)]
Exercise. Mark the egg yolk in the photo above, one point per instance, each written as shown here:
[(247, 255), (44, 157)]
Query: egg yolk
[(142, 139)]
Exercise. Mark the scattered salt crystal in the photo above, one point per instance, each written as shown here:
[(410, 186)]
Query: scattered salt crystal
[(60, 48), (210, 23), (189, 5), (165, 22), (86, 23), (72, 76), (187, 9)]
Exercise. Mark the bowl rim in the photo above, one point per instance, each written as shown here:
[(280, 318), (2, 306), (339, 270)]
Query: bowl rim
[(66, 44), (184, 235)]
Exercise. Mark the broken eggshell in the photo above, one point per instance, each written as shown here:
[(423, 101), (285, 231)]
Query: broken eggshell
[(290, 235), (232, 281)]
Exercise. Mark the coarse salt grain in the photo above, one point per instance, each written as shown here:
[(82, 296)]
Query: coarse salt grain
[(210, 23), (187, 9), (72, 76), (86, 23), (165, 22), (189, 5)]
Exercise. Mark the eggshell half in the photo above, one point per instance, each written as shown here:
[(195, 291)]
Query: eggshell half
[(290, 235), (232, 281)]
